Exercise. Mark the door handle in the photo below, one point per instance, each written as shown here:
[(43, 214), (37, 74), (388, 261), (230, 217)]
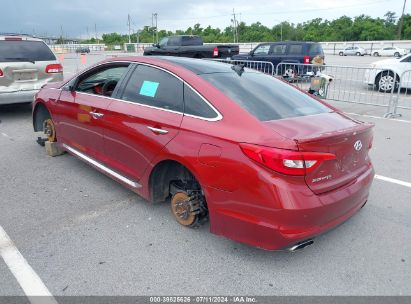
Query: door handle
[(157, 131), (96, 115)]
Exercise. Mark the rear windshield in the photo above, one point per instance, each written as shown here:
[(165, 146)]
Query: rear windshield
[(264, 96), (21, 50), (316, 49)]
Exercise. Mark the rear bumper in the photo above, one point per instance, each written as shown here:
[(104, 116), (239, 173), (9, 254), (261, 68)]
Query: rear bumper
[(17, 97), (278, 228)]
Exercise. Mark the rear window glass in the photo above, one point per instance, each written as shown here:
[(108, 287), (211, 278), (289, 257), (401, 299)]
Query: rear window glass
[(11, 51), (264, 96), (192, 40), (295, 49), (316, 49)]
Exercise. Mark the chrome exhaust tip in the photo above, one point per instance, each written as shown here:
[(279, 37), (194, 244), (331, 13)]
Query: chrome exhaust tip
[(301, 245)]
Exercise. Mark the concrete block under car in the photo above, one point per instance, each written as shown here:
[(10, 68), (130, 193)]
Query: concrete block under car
[(53, 149)]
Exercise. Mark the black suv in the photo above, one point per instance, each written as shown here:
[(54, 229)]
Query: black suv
[(297, 52)]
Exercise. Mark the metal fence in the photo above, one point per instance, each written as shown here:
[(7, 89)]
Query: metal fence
[(360, 85), (261, 66)]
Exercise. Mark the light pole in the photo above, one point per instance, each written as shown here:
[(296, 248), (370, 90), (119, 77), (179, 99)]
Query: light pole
[(401, 19)]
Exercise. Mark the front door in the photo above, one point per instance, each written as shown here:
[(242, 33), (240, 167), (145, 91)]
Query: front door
[(84, 106), (143, 120)]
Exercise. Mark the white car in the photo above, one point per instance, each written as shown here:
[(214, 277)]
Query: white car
[(390, 51), (389, 74), (353, 51)]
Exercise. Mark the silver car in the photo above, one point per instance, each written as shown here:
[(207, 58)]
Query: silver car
[(26, 64), (353, 51)]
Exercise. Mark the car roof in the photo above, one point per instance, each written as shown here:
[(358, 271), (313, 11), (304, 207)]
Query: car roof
[(291, 42), (198, 66)]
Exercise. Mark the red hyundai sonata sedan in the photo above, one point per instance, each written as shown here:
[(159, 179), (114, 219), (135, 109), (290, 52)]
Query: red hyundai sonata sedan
[(267, 164)]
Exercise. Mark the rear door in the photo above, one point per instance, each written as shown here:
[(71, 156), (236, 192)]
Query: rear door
[(147, 115), (26, 65)]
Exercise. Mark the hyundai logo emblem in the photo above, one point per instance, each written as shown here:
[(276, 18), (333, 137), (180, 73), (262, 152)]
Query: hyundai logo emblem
[(358, 145)]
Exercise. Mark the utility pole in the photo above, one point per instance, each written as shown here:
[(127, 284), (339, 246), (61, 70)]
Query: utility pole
[(235, 33), (401, 20), (155, 16), (281, 31), (62, 34), (95, 31), (152, 25), (88, 35), (129, 28)]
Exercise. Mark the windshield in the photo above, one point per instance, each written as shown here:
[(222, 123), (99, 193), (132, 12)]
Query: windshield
[(21, 50), (264, 96)]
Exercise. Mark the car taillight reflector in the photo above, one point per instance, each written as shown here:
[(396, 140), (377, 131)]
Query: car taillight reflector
[(215, 52), (286, 161), (1, 73), (54, 68), (306, 59), (13, 38)]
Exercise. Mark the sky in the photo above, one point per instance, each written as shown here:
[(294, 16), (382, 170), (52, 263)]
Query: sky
[(81, 18)]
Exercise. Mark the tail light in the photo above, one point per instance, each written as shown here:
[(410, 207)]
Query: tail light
[(215, 52), (286, 161), (1, 73), (54, 68), (13, 39), (306, 59)]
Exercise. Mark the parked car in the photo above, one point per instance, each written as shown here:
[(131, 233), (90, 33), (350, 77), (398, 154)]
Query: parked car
[(284, 52), (387, 75), (83, 49), (268, 164), (390, 51), (353, 51), (26, 64), (191, 46)]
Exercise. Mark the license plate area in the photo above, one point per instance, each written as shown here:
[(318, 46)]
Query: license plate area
[(24, 76)]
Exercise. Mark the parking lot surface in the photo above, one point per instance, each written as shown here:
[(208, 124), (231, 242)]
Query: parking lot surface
[(84, 234)]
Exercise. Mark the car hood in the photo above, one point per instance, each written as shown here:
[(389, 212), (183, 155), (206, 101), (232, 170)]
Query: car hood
[(386, 61)]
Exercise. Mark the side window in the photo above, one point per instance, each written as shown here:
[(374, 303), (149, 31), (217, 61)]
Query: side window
[(408, 59), (295, 49), (103, 81), (154, 87), (279, 49), (174, 41), (195, 105), (163, 42), (262, 50)]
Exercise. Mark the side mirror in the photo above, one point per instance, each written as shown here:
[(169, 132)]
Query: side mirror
[(156, 45), (251, 53)]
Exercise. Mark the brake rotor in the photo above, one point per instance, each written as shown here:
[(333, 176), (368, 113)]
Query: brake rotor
[(50, 130), (182, 209)]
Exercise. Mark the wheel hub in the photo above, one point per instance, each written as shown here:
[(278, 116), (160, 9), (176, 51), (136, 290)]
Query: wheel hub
[(184, 208), (386, 82)]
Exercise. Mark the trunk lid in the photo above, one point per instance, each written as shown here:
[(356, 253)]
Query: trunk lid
[(349, 140), (26, 76)]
